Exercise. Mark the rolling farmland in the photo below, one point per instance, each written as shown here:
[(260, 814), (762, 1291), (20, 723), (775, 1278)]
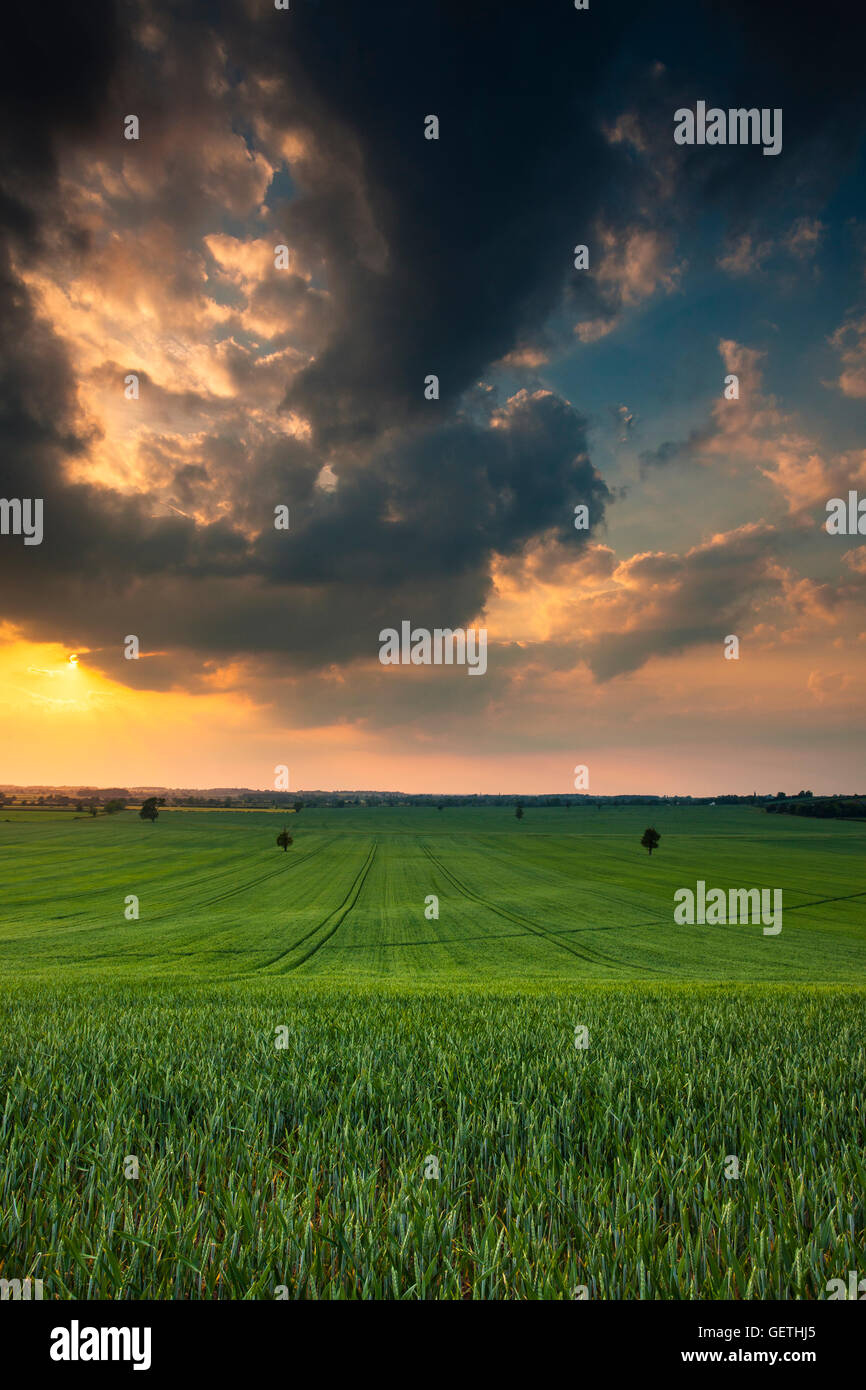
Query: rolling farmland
[(565, 895), (329, 1093)]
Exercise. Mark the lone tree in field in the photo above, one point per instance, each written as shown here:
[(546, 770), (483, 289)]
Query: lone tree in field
[(518, 811), (149, 809), (650, 839), (284, 839)]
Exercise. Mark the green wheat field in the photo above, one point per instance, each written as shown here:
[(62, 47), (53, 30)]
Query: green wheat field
[(329, 1092)]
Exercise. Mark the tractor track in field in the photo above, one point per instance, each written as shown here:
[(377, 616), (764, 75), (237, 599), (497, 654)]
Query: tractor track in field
[(191, 883), (518, 918), (230, 893), (819, 902), (545, 873), (794, 907), (254, 882), (339, 914), (493, 936)]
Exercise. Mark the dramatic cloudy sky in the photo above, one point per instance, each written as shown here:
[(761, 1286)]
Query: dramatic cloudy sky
[(305, 387)]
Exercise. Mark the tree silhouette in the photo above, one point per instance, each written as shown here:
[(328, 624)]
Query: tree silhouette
[(518, 811), (650, 839), (149, 810), (284, 839)]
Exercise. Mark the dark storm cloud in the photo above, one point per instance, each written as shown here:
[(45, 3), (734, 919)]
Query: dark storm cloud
[(730, 53), (437, 257), (55, 71), (386, 544), (442, 500), (55, 80), (479, 224), (468, 243)]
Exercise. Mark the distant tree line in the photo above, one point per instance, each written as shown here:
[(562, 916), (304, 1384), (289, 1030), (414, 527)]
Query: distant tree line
[(826, 807), (111, 799)]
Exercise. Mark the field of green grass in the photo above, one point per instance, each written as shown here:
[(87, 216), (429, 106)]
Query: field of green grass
[(564, 895), (331, 1093)]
